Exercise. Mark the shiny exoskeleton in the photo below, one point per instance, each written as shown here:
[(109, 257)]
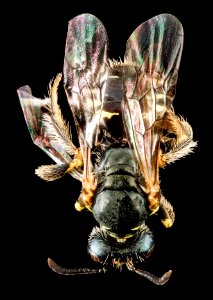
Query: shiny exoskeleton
[(120, 207), (127, 130)]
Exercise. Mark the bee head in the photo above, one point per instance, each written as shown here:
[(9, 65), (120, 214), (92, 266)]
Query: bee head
[(106, 247)]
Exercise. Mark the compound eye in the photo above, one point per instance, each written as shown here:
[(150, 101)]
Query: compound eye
[(98, 249), (145, 244)]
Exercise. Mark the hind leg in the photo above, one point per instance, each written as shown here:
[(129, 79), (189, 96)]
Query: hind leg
[(178, 140), (168, 214)]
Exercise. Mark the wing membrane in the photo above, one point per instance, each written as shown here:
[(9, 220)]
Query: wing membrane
[(85, 76), (153, 54), (34, 110), (85, 71)]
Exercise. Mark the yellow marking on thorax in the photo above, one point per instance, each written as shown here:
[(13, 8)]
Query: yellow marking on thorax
[(136, 228)]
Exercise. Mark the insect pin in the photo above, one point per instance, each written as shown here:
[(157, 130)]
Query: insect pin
[(127, 130)]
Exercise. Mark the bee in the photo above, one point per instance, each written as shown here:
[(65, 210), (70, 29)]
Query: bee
[(127, 130)]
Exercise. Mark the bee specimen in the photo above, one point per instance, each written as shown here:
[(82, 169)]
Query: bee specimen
[(127, 129)]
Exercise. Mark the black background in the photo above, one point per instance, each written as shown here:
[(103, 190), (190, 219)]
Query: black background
[(41, 220)]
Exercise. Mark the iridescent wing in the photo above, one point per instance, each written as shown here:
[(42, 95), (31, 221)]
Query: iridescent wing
[(85, 77), (49, 132), (153, 54), (34, 110)]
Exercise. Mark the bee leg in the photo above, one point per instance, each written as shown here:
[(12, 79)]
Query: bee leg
[(53, 172), (168, 215), (85, 199), (154, 203), (178, 141), (77, 161)]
